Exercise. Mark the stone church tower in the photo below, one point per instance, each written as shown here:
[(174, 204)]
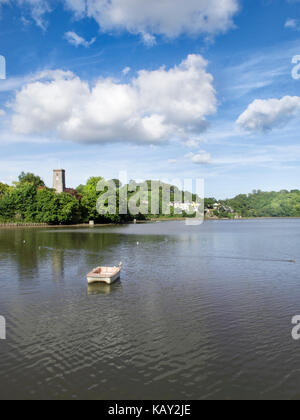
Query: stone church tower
[(59, 180)]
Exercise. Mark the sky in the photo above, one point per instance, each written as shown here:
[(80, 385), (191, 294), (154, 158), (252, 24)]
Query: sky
[(161, 89)]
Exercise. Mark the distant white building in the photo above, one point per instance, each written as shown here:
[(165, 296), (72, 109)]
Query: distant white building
[(222, 207), (187, 207)]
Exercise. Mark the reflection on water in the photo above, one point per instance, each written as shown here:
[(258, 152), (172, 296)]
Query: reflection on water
[(103, 288), (58, 257), (200, 312)]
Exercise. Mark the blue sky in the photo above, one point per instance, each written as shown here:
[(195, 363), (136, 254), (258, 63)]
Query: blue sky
[(162, 89)]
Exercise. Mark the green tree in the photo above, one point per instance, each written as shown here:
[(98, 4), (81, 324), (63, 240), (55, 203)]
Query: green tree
[(47, 207), (69, 211), (209, 203), (3, 189), (56, 208), (18, 204), (89, 200), (29, 178)]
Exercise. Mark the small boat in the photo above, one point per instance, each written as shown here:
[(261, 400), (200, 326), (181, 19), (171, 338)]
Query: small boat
[(106, 275)]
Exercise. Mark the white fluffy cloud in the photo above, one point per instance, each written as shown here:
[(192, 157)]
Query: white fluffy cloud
[(148, 17), (264, 115), (74, 39), (154, 107), (166, 17)]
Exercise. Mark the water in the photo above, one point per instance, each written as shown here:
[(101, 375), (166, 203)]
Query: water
[(200, 312)]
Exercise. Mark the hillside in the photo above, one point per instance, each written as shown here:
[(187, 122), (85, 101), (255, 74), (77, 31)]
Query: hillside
[(29, 200), (266, 204)]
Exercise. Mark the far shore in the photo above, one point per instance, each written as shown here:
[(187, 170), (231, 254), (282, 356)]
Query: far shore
[(162, 219)]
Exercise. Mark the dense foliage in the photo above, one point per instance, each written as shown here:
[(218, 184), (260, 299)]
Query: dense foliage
[(30, 178), (29, 201), (266, 204)]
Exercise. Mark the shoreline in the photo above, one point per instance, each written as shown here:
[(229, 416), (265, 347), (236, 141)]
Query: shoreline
[(159, 220)]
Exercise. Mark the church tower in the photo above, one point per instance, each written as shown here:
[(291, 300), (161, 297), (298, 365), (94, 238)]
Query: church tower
[(59, 180)]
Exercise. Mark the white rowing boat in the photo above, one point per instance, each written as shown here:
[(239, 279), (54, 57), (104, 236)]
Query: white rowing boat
[(106, 275)]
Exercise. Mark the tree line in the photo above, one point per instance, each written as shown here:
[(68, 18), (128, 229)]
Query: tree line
[(29, 201), (263, 204)]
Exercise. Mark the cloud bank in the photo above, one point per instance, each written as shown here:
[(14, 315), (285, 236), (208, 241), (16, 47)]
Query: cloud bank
[(164, 17), (147, 17), (154, 107)]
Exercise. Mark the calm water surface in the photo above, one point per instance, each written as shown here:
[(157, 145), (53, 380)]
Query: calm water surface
[(200, 312)]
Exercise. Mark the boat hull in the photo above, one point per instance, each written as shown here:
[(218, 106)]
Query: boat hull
[(108, 280)]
